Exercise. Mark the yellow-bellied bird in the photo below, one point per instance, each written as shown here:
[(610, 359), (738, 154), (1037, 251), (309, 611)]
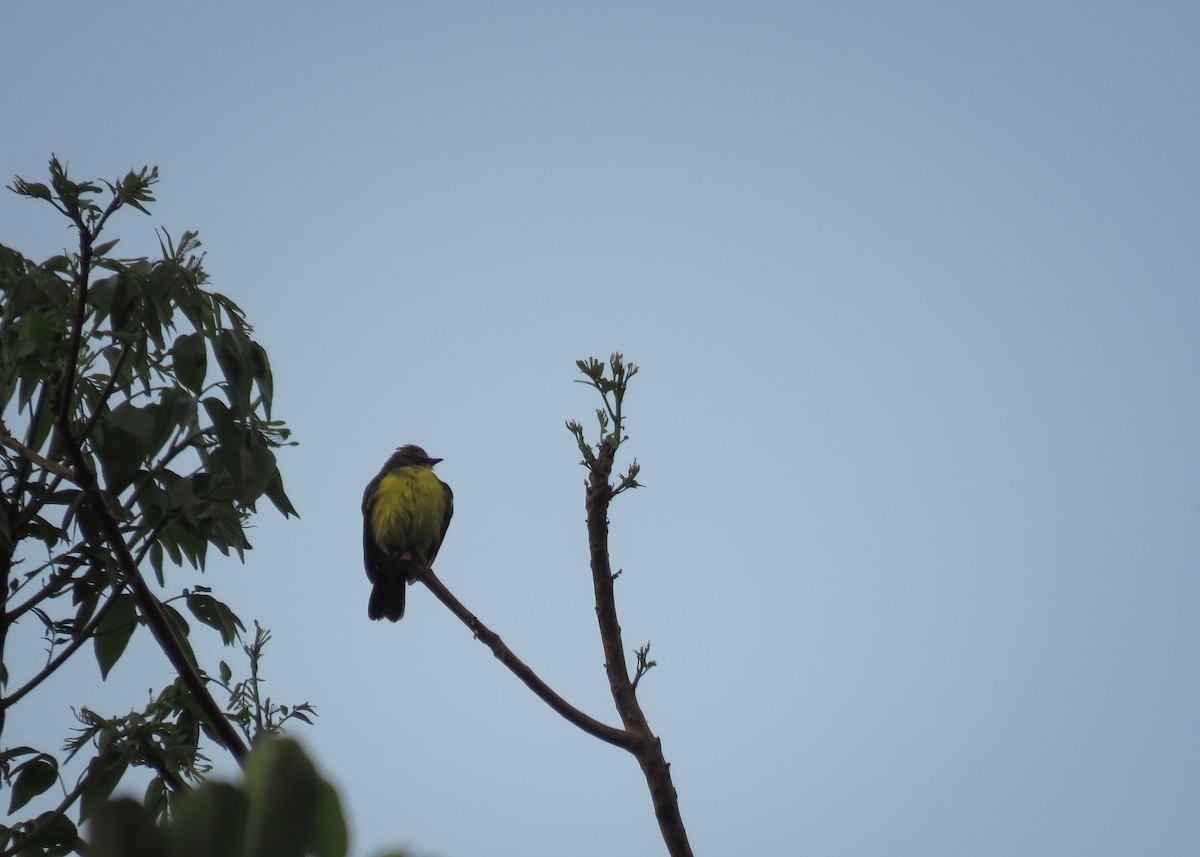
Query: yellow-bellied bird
[(406, 510)]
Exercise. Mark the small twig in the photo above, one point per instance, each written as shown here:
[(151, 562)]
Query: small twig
[(56, 582), (6, 438), (644, 664), (60, 579), (78, 640)]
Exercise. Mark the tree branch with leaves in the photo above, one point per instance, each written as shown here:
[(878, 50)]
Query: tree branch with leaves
[(600, 461), (122, 444)]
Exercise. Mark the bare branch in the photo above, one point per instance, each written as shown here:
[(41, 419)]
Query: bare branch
[(604, 732)]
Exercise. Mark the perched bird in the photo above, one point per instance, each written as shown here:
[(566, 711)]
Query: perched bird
[(406, 510)]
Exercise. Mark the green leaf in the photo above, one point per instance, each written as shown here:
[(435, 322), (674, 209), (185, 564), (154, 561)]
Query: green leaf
[(123, 828), (29, 385), (230, 349), (189, 359), (277, 496), (229, 619), (181, 408), (261, 367), (222, 419), (11, 753), (127, 303), (180, 626), (87, 597), (155, 800), (36, 190), (57, 264), (214, 614), (257, 471), (102, 775), (329, 837), (156, 561), (31, 778), (101, 249), (180, 493), (120, 452), (34, 333), (114, 631), (86, 519), (142, 423), (101, 294), (209, 822), (284, 790), (56, 835), (183, 541), (45, 422)]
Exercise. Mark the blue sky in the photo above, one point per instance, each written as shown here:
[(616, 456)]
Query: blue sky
[(913, 288)]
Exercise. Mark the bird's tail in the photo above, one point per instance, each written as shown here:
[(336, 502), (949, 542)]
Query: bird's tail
[(387, 595), (387, 598)]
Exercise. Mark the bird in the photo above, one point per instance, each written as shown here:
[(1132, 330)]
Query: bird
[(406, 510)]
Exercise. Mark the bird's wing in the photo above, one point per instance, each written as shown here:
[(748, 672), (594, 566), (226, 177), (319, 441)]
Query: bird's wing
[(372, 555), (445, 521)]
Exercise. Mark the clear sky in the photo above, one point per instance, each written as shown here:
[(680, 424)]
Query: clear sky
[(914, 291)]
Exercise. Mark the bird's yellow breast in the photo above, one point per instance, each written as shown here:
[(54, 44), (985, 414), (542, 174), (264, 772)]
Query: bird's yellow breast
[(408, 510)]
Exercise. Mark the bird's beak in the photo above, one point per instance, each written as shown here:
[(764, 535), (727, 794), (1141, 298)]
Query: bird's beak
[(434, 461)]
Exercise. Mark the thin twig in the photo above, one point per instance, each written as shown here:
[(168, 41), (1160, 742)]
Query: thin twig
[(78, 640), (6, 438), (56, 582)]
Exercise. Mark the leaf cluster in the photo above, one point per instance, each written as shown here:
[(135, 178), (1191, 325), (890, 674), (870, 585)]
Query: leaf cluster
[(255, 714), (74, 199), (611, 380), (165, 737)]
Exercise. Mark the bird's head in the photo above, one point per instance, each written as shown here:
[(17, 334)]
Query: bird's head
[(410, 455)]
